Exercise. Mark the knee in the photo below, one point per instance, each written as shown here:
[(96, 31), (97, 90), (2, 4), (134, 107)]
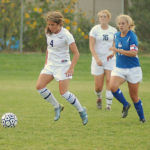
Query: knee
[(98, 88)]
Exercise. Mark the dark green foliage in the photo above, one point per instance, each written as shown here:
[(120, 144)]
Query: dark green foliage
[(139, 11), (9, 22), (34, 22)]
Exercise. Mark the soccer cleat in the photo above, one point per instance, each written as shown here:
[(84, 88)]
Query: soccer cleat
[(99, 103), (143, 120), (108, 107), (125, 111), (57, 112), (84, 116)]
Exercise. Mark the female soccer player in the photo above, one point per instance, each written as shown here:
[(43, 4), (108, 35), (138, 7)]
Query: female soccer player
[(127, 65), (101, 39), (58, 65)]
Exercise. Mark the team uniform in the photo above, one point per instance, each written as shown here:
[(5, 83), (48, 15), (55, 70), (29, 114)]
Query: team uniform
[(58, 61), (127, 67), (103, 41)]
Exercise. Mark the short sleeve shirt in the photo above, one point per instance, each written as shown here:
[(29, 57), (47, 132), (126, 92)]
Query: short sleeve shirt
[(103, 39), (129, 42), (58, 47)]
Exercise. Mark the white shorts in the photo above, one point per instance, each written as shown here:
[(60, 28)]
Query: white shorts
[(98, 70), (132, 75), (58, 72)]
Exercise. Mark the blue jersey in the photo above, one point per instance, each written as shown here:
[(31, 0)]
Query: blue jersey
[(129, 42)]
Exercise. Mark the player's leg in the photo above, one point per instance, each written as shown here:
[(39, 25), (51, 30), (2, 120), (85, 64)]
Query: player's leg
[(42, 82), (98, 73), (109, 95), (72, 99), (133, 90), (115, 83), (99, 81), (134, 78)]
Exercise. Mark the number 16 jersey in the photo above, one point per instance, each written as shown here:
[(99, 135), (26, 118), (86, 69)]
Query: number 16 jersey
[(103, 39)]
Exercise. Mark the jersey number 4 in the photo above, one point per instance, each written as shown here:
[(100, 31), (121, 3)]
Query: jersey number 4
[(52, 43)]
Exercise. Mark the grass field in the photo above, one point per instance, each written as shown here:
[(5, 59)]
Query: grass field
[(36, 129)]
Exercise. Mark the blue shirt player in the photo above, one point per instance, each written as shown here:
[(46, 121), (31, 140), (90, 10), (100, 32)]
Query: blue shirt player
[(127, 68)]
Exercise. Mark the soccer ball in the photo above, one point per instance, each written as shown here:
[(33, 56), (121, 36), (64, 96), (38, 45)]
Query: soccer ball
[(9, 120)]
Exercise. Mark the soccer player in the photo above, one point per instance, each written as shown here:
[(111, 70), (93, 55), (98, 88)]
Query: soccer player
[(58, 65), (127, 66), (101, 39)]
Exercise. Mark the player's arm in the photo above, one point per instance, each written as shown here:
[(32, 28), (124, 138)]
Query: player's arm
[(132, 52), (113, 53), (46, 57), (75, 58), (92, 49)]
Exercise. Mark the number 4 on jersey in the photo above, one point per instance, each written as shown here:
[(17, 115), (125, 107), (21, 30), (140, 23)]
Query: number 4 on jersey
[(51, 43)]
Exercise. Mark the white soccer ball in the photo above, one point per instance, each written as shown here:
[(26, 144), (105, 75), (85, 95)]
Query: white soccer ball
[(9, 120)]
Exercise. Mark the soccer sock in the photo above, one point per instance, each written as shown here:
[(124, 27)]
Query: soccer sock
[(73, 100), (48, 96), (99, 95), (109, 97), (119, 96), (139, 109)]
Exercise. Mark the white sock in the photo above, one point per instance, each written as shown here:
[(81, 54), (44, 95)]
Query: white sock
[(73, 100), (109, 97), (99, 95), (48, 96)]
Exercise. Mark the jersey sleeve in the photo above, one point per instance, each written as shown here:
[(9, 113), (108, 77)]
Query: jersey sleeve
[(133, 42), (69, 38), (92, 32)]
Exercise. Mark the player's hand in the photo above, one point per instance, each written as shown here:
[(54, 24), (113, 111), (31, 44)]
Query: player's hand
[(69, 72), (114, 49), (110, 57), (99, 62)]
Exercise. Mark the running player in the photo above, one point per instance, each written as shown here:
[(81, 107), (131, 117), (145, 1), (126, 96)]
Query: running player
[(58, 65), (101, 39), (127, 66)]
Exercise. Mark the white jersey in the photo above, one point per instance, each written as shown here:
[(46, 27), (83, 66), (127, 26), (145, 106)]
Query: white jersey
[(103, 39), (58, 47)]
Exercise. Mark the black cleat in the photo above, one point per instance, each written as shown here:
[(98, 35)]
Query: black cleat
[(143, 120), (125, 111)]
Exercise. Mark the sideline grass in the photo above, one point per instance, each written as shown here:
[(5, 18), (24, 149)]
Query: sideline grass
[(36, 129)]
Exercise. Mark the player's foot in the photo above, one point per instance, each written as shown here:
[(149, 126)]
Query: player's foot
[(84, 116), (108, 107), (143, 120), (125, 111), (99, 103), (57, 112)]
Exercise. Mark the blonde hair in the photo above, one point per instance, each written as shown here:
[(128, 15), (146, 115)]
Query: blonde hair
[(54, 16), (129, 21), (104, 11)]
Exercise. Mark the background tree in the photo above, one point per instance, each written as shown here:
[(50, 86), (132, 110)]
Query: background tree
[(34, 23), (139, 11), (9, 22)]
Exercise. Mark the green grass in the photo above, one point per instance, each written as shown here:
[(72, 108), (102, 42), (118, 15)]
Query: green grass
[(36, 129)]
